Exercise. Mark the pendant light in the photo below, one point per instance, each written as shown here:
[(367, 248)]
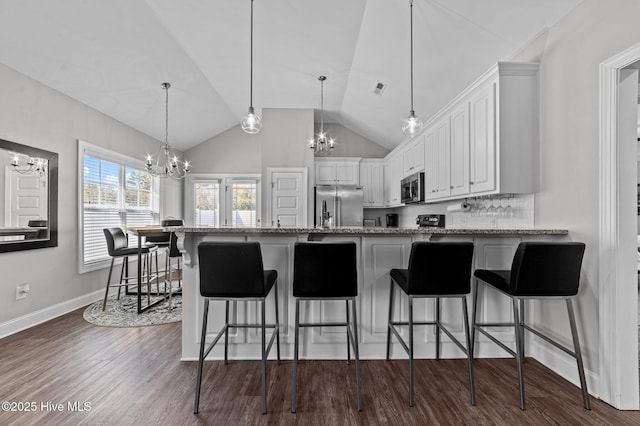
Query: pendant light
[(167, 164), (251, 123), (321, 143), (412, 124)]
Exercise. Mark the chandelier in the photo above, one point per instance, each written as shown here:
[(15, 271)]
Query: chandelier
[(412, 124), (321, 143), (251, 123), (167, 164), (30, 165)]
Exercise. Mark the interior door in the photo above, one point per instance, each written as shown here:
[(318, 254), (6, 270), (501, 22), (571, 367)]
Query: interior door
[(288, 198), (25, 198)]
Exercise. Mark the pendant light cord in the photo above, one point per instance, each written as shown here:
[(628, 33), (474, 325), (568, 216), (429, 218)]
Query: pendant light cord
[(166, 115), (321, 105), (251, 63), (411, 55)]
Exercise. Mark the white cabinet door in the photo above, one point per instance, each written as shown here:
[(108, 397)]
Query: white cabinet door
[(459, 169), (443, 144), (483, 140), (342, 171), (431, 159), (396, 177), (348, 173), (372, 182), (325, 174), (413, 158)]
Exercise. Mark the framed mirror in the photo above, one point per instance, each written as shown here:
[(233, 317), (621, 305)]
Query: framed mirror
[(29, 201)]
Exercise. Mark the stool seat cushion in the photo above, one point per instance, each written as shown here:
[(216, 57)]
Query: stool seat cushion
[(132, 251), (401, 277), (498, 279)]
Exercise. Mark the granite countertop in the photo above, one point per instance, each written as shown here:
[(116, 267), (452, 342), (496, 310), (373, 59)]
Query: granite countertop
[(359, 231)]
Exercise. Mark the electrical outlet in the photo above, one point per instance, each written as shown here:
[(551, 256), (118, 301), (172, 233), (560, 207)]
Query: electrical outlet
[(22, 290)]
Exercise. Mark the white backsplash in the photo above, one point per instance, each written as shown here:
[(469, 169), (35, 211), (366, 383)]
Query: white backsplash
[(522, 208), (517, 212)]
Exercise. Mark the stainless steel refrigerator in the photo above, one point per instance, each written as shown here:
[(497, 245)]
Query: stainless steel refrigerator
[(338, 206)]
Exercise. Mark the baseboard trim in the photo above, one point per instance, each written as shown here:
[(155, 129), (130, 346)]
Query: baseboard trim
[(563, 365), (43, 315)]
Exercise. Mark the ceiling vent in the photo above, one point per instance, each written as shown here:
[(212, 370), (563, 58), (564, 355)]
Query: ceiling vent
[(379, 88)]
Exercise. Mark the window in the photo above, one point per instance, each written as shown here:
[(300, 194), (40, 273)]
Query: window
[(207, 204), (224, 200), (116, 191)]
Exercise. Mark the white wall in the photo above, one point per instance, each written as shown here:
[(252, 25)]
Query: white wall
[(569, 56), (280, 143), (351, 144), (36, 115)]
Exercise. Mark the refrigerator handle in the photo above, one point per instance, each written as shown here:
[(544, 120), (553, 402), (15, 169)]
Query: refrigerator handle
[(336, 209)]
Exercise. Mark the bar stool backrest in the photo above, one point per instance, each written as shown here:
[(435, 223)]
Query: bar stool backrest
[(546, 269), (440, 268), (231, 269), (172, 222), (116, 240), (325, 270)]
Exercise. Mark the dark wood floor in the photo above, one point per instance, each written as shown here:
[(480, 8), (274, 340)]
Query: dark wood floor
[(134, 376)]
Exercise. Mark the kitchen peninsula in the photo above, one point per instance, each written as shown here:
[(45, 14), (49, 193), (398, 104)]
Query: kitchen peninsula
[(379, 250)]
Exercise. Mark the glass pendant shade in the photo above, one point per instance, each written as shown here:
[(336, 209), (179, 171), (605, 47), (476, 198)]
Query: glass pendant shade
[(322, 144), (412, 124), (251, 123)]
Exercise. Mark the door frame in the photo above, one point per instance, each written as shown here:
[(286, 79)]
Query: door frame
[(618, 367), (305, 191)]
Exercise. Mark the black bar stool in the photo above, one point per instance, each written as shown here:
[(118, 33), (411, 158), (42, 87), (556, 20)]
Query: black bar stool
[(173, 253), (232, 271), (542, 271), (314, 279), (118, 246), (436, 271)]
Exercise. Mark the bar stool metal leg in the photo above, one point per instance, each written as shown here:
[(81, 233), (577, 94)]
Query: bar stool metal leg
[(121, 277), (356, 352), (576, 349), (294, 383), (275, 287), (263, 366), (348, 348), (201, 357), (519, 350), (522, 327), (469, 353), (106, 293), (226, 332), (476, 288), (437, 328), (411, 399), (390, 319)]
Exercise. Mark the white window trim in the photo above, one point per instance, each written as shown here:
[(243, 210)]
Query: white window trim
[(223, 179), (86, 148)]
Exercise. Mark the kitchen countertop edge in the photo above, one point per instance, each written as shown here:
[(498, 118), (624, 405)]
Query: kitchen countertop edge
[(365, 231)]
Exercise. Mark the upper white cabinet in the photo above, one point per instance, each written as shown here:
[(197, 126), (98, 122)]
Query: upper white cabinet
[(372, 181), (337, 171), (485, 141), (438, 153), (392, 175), (413, 158)]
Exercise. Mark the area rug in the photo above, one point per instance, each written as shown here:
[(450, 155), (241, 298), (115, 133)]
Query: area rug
[(124, 312)]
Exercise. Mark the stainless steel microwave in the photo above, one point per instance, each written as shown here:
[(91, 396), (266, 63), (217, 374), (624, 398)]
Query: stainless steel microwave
[(412, 188)]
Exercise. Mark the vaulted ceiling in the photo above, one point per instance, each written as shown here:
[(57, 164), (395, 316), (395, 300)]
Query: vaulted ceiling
[(113, 55)]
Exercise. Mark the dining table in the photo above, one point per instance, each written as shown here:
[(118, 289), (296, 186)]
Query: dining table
[(140, 232)]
